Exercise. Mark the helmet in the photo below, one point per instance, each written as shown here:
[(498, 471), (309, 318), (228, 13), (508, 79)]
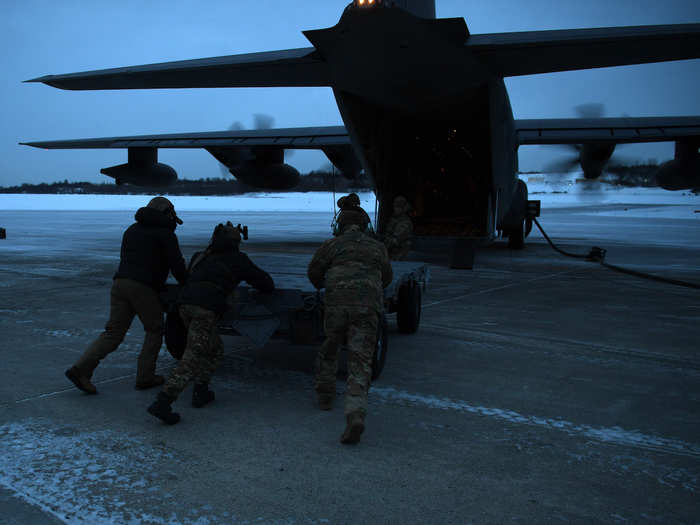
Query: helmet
[(349, 201), (163, 205), (225, 236), (356, 216), (401, 203)]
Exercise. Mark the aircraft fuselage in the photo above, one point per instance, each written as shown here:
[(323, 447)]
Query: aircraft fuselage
[(427, 120)]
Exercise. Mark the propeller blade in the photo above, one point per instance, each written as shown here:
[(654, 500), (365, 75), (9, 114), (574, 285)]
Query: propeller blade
[(592, 110), (262, 121), (563, 165)]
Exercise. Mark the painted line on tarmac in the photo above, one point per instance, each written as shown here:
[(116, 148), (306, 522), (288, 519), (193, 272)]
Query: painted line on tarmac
[(609, 435), (497, 288), (63, 391), (536, 341)]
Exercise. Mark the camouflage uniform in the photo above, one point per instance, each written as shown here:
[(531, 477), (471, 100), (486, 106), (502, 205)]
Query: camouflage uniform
[(354, 268), (399, 231), (203, 353), (213, 276)]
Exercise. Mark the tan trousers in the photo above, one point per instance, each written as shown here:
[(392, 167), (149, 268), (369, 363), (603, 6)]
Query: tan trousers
[(127, 299)]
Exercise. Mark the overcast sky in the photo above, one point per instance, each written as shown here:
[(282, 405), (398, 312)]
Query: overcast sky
[(41, 37)]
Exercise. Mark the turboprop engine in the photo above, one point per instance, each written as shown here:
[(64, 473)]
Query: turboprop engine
[(594, 157), (260, 167), (142, 169)]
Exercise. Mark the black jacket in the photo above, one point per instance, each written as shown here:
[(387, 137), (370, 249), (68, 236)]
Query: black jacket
[(150, 250), (217, 275)]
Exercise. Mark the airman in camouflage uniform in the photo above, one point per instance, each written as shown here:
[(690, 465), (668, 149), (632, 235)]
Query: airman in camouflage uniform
[(214, 274), (354, 268), (399, 230)]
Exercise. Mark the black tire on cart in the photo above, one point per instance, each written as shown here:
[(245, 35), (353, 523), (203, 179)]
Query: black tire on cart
[(409, 307), (381, 348), (516, 238), (175, 334)]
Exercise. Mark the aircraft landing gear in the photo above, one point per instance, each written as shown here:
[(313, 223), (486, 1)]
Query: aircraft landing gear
[(516, 236)]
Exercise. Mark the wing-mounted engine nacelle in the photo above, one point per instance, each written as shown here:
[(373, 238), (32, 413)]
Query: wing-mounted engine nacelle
[(343, 157), (267, 176), (594, 156), (260, 167), (683, 172), (142, 169)]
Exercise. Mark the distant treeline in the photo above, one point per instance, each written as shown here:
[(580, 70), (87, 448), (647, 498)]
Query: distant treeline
[(639, 175), (313, 181)]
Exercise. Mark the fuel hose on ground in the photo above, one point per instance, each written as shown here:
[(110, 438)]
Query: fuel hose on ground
[(597, 254)]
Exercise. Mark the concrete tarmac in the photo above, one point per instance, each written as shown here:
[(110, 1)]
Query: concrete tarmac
[(538, 389)]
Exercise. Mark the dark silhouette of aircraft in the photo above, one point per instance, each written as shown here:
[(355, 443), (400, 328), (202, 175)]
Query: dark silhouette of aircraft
[(425, 108)]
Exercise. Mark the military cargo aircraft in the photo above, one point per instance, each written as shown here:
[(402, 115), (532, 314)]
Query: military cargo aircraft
[(425, 109)]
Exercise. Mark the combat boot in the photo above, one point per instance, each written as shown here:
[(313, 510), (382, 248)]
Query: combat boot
[(325, 401), (354, 428), (80, 380), (201, 395), (162, 410)]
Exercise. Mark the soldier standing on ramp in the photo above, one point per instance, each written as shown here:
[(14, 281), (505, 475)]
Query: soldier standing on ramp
[(354, 268), (214, 274), (149, 251), (399, 230)]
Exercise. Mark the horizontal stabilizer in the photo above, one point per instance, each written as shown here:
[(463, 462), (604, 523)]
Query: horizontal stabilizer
[(293, 68), (534, 52), (617, 130)]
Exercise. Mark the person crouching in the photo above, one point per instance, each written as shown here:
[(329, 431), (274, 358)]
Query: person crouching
[(214, 274)]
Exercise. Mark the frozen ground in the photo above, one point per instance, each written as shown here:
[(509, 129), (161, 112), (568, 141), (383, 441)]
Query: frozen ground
[(554, 190), (539, 389)]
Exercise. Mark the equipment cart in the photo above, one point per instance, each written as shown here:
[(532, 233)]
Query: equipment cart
[(294, 310)]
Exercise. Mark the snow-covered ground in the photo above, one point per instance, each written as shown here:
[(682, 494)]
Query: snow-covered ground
[(277, 202), (570, 190), (553, 190), (37, 222)]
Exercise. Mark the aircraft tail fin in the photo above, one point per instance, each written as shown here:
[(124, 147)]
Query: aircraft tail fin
[(421, 8)]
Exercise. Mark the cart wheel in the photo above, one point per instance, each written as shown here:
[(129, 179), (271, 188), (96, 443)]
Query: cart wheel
[(516, 238), (175, 334), (409, 308), (379, 356)]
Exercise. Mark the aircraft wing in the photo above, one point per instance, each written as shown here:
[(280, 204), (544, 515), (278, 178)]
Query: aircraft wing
[(617, 130), (292, 68), (285, 138), (533, 52)]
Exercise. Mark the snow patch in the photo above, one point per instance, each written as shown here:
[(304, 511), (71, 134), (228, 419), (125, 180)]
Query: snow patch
[(93, 477)]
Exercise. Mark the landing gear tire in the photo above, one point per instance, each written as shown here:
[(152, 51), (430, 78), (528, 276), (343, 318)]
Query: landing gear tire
[(381, 348), (409, 308), (516, 238), (175, 334)]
